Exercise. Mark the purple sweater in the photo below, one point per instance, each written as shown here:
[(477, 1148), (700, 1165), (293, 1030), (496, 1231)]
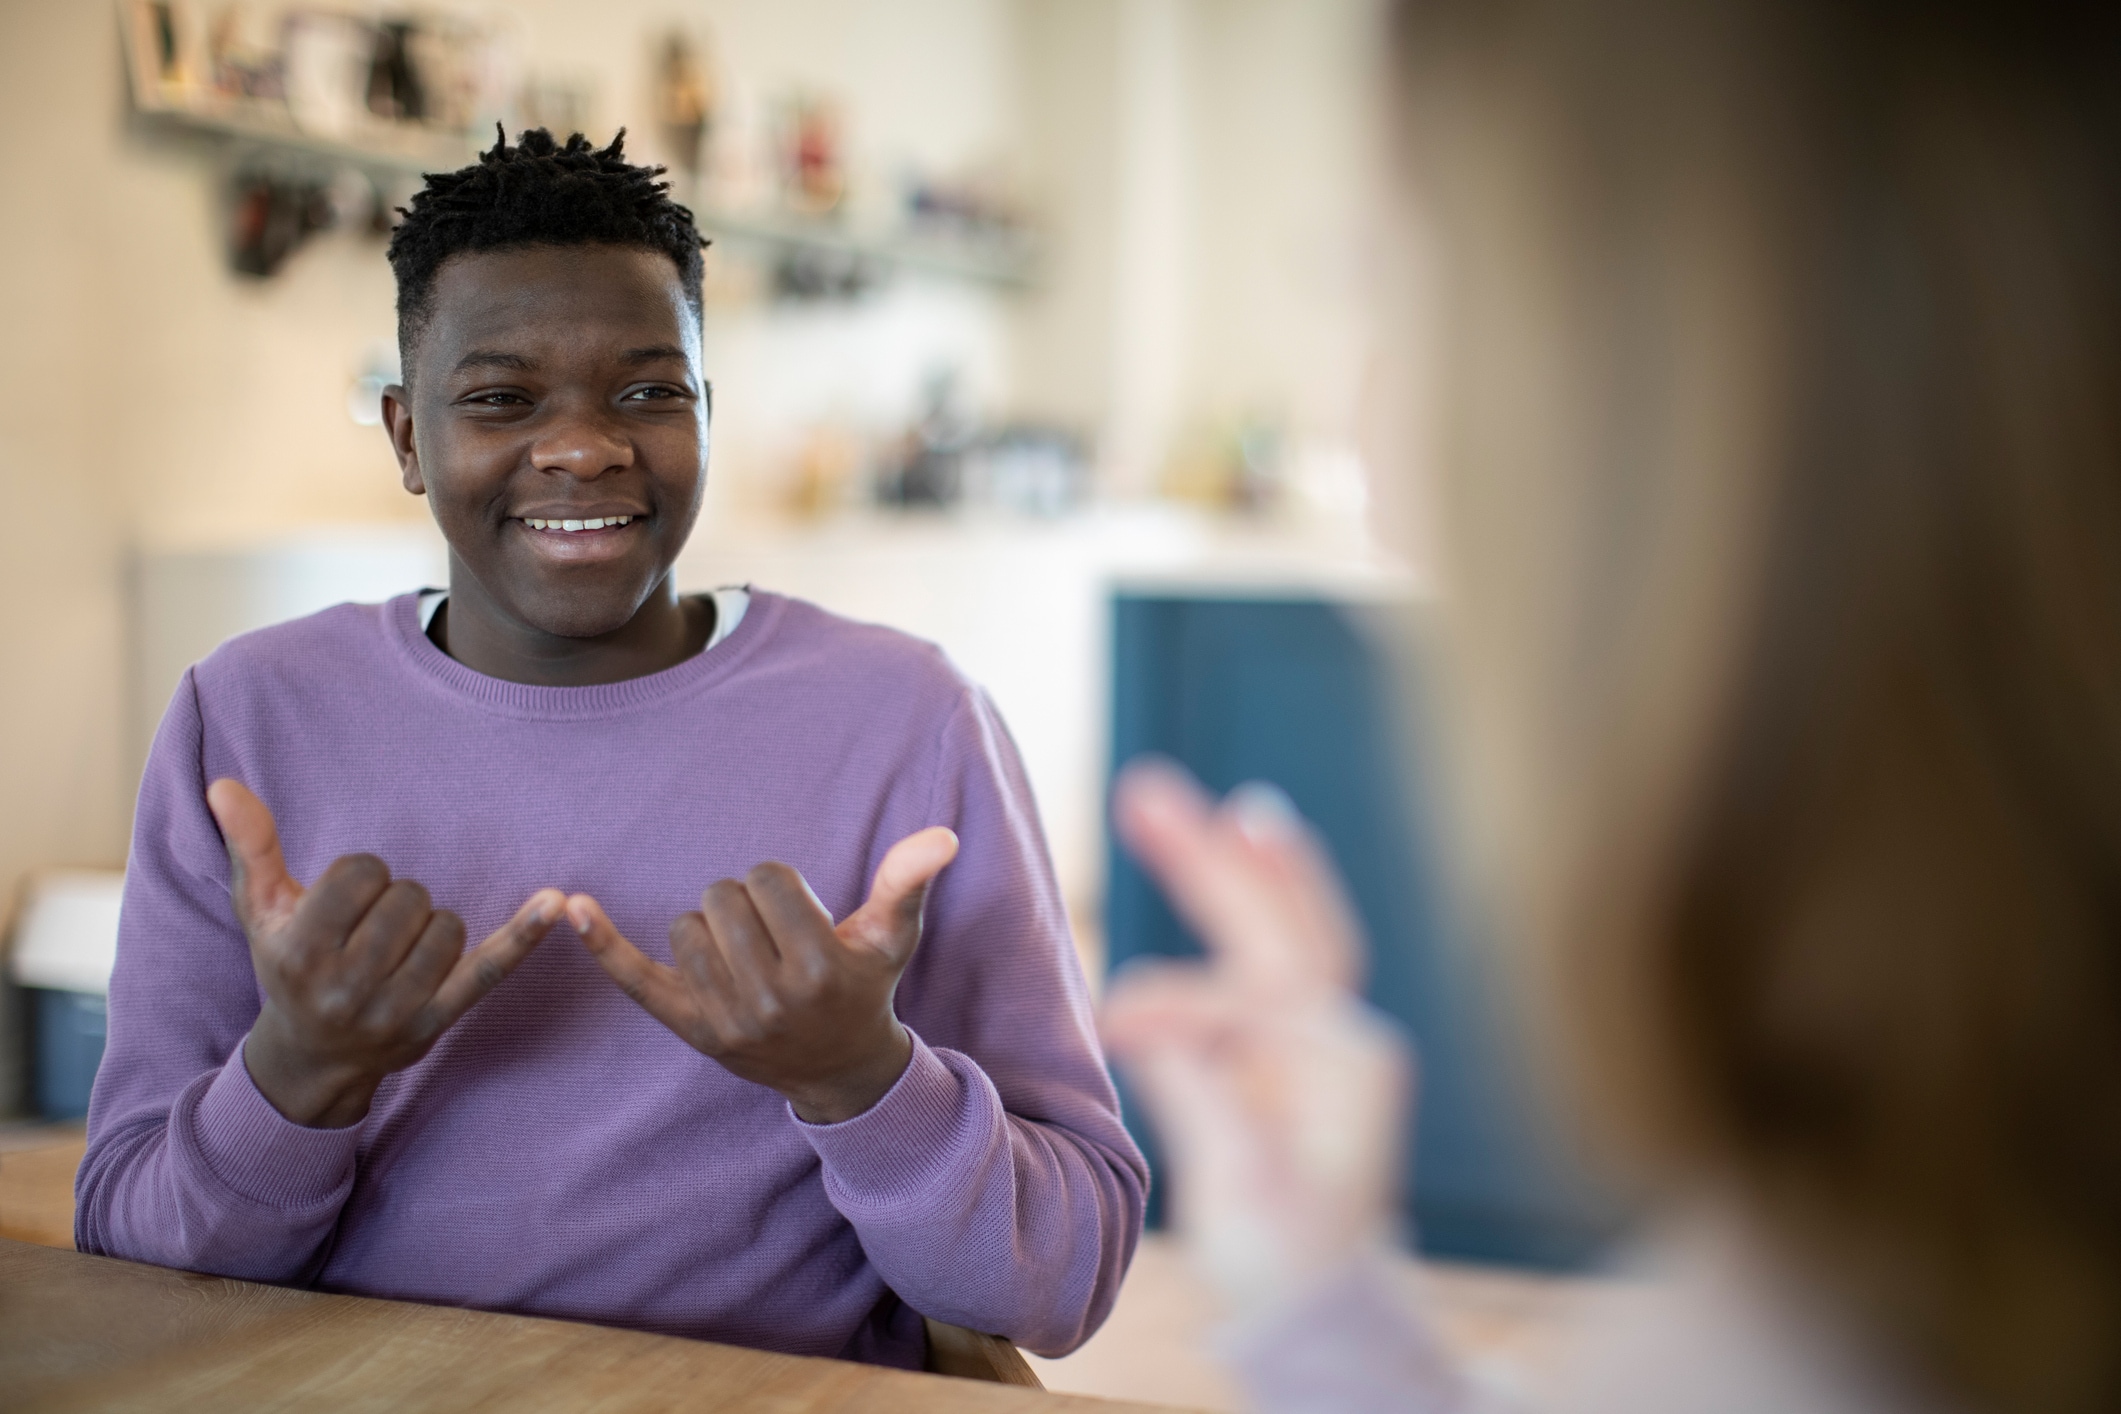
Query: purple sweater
[(559, 1152)]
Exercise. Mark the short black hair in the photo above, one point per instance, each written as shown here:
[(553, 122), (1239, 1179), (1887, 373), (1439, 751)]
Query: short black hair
[(535, 193)]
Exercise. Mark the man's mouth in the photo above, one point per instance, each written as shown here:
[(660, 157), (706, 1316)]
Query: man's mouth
[(575, 527)]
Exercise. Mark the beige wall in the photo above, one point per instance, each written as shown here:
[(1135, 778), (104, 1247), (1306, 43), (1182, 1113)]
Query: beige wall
[(1285, 216)]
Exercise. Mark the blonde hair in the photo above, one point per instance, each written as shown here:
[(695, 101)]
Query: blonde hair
[(1782, 399)]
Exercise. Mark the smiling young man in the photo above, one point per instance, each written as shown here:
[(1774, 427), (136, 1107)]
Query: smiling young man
[(852, 1082)]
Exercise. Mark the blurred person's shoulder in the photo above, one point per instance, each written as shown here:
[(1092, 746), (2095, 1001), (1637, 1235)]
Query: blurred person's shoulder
[(1709, 1317)]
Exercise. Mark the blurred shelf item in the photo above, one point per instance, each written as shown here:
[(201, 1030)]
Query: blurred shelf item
[(321, 89), (1003, 257)]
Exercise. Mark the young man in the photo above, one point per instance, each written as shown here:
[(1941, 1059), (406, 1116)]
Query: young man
[(774, 1129)]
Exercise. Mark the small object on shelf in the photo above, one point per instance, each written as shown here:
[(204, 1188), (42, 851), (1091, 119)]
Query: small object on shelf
[(823, 473), (930, 468), (243, 58), (166, 52), (275, 207), (395, 92), (1028, 469), (271, 216), (807, 272), (685, 102), (813, 170), (328, 60), (1240, 466)]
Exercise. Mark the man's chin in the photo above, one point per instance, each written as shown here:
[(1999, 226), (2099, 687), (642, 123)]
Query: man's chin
[(583, 615)]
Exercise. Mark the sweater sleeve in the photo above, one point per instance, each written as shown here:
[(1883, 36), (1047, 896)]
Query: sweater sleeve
[(187, 1164), (994, 1186)]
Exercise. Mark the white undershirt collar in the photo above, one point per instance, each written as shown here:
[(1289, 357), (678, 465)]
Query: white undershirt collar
[(730, 602)]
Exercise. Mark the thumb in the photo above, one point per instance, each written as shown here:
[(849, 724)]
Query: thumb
[(890, 919), (263, 891)]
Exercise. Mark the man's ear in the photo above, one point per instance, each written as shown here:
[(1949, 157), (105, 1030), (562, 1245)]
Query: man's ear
[(397, 420)]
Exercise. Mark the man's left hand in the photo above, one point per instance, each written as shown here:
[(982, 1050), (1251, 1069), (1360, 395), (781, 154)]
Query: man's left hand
[(768, 986)]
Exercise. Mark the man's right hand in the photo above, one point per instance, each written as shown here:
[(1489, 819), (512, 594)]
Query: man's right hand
[(361, 974)]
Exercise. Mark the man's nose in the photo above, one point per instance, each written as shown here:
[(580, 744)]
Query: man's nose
[(583, 443)]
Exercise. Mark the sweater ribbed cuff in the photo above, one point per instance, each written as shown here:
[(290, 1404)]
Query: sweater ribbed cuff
[(263, 1156), (904, 1145)]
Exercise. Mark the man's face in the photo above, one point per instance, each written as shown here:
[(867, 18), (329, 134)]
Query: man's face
[(557, 387)]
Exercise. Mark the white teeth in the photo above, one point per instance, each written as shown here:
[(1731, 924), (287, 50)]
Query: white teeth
[(593, 523)]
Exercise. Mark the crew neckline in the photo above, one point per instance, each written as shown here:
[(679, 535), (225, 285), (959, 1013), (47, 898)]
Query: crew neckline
[(517, 699)]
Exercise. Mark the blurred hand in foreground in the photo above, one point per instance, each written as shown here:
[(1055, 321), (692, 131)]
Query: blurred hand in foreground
[(1275, 1090)]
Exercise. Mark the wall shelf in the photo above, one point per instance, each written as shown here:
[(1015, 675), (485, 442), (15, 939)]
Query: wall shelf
[(1005, 259), (1008, 259), (379, 148)]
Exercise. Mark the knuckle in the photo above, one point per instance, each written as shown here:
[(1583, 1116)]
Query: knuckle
[(361, 871), (770, 874)]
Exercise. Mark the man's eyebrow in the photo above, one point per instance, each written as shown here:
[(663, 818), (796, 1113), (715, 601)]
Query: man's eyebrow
[(653, 353), (493, 358)]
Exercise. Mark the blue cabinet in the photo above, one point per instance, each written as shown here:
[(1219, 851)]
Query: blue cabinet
[(69, 1032), (1297, 692)]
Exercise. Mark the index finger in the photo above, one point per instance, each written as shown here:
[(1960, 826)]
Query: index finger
[(657, 988), (481, 969)]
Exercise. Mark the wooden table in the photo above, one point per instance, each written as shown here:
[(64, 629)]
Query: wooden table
[(89, 1333), (37, 1164)]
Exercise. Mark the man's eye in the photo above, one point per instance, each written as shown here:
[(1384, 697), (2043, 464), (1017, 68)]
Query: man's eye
[(653, 394), (494, 400)]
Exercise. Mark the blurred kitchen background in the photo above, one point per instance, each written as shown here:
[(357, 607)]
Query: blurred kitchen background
[(1037, 327)]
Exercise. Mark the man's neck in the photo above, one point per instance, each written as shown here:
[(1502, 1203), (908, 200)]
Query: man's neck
[(484, 637)]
